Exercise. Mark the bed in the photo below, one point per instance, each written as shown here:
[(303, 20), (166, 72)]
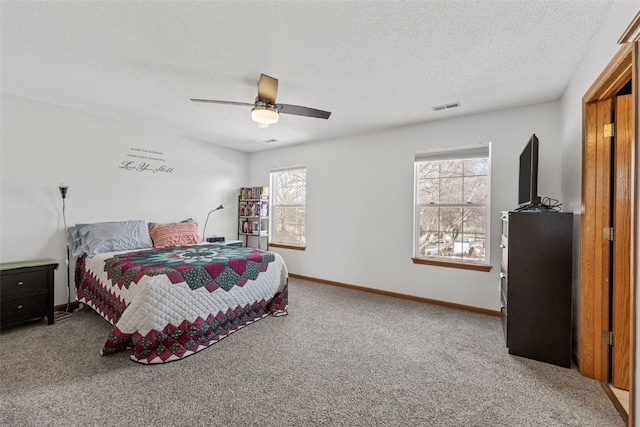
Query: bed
[(168, 302)]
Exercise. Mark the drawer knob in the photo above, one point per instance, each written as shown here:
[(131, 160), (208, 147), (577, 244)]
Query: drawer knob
[(20, 307), (20, 283)]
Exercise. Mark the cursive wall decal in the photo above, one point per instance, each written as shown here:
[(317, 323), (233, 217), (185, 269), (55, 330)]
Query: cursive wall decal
[(143, 160)]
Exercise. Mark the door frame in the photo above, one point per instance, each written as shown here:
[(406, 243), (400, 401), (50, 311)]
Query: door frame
[(594, 305)]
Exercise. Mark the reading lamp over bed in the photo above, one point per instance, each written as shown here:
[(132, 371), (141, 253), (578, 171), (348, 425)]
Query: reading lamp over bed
[(204, 229)]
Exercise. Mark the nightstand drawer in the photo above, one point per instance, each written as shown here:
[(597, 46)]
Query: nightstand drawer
[(23, 307), (29, 282)]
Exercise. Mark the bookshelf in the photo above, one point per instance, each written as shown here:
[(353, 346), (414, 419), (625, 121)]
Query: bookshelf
[(253, 216)]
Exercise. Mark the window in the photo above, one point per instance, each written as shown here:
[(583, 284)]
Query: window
[(452, 205), (288, 202)]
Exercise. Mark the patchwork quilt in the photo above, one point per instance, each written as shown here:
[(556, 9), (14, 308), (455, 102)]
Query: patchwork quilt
[(168, 303)]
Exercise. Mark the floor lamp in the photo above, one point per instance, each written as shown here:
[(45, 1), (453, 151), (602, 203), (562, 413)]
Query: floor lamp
[(63, 192)]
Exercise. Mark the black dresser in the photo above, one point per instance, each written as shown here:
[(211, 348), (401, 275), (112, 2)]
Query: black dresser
[(26, 291), (535, 285)]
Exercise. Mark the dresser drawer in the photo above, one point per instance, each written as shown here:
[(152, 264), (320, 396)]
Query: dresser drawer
[(28, 282), (505, 323), (23, 307), (504, 253), (504, 286)]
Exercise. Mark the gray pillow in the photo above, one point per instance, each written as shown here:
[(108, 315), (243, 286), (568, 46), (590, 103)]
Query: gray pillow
[(114, 236), (76, 240)]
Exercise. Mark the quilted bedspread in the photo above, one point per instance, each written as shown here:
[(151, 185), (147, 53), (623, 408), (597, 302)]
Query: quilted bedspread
[(169, 303)]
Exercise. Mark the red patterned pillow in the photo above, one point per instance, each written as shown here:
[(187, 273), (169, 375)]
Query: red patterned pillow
[(174, 234)]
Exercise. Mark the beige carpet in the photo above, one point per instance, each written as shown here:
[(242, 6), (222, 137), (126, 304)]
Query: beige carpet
[(340, 358)]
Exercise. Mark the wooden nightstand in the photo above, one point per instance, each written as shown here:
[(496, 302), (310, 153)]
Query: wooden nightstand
[(26, 291)]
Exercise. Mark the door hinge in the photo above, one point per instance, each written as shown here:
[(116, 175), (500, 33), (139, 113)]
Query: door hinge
[(608, 233), (607, 337), (609, 130)]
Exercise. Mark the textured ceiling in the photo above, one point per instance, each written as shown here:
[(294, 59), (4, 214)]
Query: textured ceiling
[(374, 65)]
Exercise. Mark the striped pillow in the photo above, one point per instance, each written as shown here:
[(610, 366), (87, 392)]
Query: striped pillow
[(174, 234)]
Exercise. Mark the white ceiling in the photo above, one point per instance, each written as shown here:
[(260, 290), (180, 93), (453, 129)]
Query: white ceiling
[(374, 65)]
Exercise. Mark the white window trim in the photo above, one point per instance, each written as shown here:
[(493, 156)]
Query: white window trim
[(480, 150), (272, 195)]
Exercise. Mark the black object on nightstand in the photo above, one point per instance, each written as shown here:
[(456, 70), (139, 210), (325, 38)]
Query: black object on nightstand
[(215, 239), (26, 291), (235, 243)]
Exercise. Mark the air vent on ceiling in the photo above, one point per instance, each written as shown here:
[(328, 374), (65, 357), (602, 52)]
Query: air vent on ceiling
[(446, 106), (270, 141)]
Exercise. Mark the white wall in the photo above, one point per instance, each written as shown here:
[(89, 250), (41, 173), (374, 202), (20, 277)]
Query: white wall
[(43, 145), (360, 200)]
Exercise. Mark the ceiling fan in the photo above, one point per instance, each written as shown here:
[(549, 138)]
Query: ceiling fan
[(265, 110)]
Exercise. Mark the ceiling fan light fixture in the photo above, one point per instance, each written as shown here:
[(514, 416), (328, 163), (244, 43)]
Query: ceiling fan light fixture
[(264, 110), (264, 114)]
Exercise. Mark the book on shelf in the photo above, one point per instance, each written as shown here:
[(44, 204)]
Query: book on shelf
[(254, 193), (254, 208), (251, 227)]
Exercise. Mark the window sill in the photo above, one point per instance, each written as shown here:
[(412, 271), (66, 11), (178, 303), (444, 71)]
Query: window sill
[(452, 264), (281, 246)]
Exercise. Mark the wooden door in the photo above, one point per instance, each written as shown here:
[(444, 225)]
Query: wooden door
[(621, 255), (594, 307), (596, 251)]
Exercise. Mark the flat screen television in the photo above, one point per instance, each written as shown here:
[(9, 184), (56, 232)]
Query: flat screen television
[(528, 177)]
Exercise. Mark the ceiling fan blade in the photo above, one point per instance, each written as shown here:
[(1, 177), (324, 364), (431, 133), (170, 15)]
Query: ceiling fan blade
[(302, 111), (267, 88), (215, 101)]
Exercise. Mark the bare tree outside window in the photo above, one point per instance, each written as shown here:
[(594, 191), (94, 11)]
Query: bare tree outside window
[(289, 195), (452, 203)]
